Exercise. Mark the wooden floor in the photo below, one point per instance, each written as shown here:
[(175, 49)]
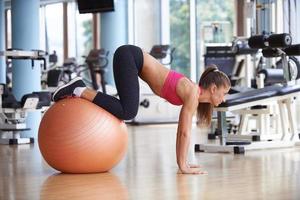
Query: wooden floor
[(149, 171)]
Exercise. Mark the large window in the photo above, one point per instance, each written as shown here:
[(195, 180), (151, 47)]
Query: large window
[(214, 26), (146, 22), (215, 19), (52, 29), (180, 35), (79, 27), (80, 32)]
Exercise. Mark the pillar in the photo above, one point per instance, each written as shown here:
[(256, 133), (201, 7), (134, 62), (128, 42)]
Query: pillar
[(25, 36)]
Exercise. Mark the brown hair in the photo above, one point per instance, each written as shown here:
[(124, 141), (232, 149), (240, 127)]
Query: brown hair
[(210, 76)]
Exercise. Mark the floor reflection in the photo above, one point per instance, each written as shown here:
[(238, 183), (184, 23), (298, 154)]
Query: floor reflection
[(83, 186)]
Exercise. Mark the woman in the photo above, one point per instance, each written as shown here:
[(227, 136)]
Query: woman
[(129, 63)]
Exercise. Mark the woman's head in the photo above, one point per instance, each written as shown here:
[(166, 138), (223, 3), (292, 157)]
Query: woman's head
[(217, 85)]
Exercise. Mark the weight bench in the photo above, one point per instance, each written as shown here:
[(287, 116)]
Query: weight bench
[(282, 95)]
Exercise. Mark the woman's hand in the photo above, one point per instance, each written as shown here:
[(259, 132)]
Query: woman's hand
[(191, 170), (194, 166)]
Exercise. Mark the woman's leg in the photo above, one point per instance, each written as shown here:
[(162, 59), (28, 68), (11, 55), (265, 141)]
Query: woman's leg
[(127, 64)]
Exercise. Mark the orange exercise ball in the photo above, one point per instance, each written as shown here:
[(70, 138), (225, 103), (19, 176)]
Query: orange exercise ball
[(77, 136)]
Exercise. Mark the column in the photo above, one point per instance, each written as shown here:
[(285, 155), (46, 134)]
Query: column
[(2, 42), (25, 35), (114, 32)]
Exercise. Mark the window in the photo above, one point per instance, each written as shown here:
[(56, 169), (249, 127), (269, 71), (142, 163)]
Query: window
[(80, 32), (214, 25), (146, 34), (8, 29), (52, 32), (215, 19), (180, 35)]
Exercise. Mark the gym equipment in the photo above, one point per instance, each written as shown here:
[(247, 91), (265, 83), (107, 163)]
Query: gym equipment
[(228, 59), (69, 69), (246, 64), (276, 75), (272, 76), (267, 77), (274, 41), (56, 75), (97, 62), (21, 54), (278, 45), (264, 76), (77, 136), (281, 95), (243, 102), (13, 114), (161, 52), (52, 74), (222, 56), (240, 47), (293, 50)]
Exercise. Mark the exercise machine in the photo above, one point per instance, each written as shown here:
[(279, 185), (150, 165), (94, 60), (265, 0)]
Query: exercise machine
[(162, 52), (97, 62), (282, 96), (13, 113), (270, 95), (92, 71)]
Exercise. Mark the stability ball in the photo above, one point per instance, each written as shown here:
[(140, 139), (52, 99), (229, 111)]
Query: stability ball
[(77, 136)]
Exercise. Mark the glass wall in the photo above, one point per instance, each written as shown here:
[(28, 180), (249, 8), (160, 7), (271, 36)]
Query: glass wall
[(80, 33), (51, 28), (215, 19), (146, 23), (180, 35), (215, 22)]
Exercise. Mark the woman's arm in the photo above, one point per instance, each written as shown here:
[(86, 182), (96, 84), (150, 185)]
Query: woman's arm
[(184, 131)]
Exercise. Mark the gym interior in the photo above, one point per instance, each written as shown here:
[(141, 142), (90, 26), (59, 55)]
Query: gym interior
[(250, 150)]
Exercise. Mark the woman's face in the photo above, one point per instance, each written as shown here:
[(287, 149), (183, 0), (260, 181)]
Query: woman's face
[(218, 95)]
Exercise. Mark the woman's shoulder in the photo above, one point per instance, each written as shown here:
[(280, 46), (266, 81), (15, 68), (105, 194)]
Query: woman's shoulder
[(187, 89), (188, 84)]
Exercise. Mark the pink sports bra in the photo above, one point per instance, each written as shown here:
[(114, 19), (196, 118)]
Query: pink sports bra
[(168, 90)]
